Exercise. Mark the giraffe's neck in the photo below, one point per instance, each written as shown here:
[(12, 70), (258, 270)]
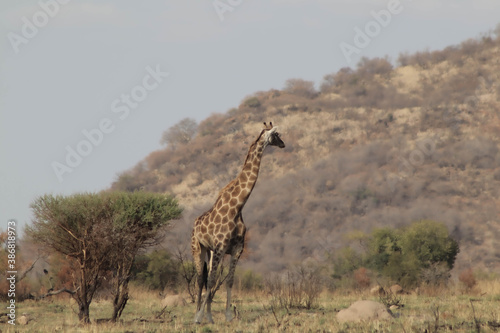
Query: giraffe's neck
[(248, 176)]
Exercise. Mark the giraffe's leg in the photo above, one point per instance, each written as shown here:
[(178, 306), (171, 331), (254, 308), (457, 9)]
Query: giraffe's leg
[(209, 310), (230, 279), (210, 294), (215, 259), (199, 254)]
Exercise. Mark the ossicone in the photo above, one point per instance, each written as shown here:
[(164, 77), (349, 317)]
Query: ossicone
[(268, 127)]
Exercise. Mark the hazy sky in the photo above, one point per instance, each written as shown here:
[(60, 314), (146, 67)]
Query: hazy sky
[(88, 87)]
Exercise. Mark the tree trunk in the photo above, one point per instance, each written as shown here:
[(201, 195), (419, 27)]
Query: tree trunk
[(84, 314), (120, 300), (83, 304), (121, 287)]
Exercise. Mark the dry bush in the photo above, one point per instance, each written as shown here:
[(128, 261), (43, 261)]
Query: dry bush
[(296, 288), (389, 299), (404, 59), (362, 88), (437, 275), (479, 153), (252, 102), (467, 279), (333, 83), (157, 158), (301, 88), (375, 66), (179, 134), (420, 59), (361, 277), (212, 125)]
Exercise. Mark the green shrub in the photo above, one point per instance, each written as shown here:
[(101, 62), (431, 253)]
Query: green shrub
[(249, 281), (346, 262), (430, 242), (155, 270), (421, 253)]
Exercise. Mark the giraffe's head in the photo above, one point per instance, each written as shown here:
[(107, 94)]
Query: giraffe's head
[(272, 136)]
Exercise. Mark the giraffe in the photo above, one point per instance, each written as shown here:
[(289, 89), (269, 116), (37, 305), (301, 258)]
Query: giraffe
[(220, 230)]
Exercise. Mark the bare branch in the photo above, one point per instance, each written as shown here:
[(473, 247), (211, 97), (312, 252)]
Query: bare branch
[(23, 275), (52, 293)]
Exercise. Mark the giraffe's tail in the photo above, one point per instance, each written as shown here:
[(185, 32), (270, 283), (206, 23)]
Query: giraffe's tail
[(205, 275)]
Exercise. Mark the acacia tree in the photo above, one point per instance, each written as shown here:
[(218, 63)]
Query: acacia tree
[(71, 226), (101, 232), (137, 222)]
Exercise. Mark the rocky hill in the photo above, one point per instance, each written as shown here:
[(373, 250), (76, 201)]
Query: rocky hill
[(378, 145)]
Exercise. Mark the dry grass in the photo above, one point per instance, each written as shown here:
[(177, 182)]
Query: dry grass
[(446, 310)]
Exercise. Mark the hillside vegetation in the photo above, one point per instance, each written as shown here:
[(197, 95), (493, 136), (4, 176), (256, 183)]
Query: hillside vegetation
[(378, 145)]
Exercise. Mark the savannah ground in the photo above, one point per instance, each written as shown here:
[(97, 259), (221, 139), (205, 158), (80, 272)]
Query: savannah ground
[(432, 310)]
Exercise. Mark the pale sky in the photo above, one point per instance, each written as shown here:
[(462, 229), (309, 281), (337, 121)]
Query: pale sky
[(105, 79)]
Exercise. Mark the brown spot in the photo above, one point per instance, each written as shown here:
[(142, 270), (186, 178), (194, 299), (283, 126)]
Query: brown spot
[(253, 177), (232, 212), (233, 202), (242, 196), (224, 229), (255, 170), (243, 177), (223, 210), (217, 218), (220, 237), (206, 238), (203, 229), (231, 225), (211, 228), (236, 191)]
